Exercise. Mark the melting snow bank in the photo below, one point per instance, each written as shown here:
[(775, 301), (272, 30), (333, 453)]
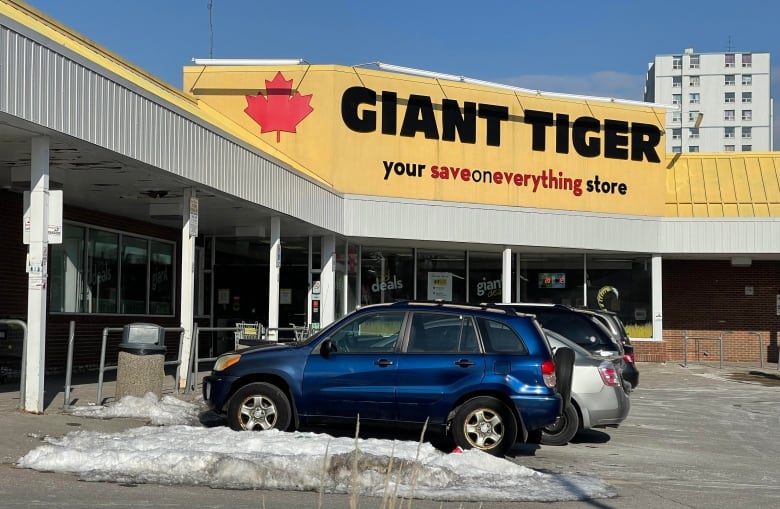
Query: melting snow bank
[(160, 412), (222, 458)]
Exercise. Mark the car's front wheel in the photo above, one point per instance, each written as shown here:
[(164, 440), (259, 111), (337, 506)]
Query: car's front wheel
[(485, 423), (259, 406), (563, 429)]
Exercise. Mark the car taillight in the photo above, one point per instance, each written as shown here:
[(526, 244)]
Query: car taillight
[(609, 374), (548, 373), (629, 357)]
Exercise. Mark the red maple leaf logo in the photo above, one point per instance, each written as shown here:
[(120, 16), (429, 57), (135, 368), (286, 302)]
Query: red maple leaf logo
[(279, 110)]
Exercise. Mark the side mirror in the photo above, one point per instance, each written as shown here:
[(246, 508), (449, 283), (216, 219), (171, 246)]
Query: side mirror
[(326, 348)]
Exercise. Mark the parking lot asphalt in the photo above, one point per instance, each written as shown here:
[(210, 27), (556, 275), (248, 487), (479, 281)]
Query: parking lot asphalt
[(696, 437)]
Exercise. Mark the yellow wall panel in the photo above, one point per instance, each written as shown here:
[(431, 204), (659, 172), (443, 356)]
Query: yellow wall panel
[(711, 180), (755, 180), (382, 133), (770, 174), (715, 210)]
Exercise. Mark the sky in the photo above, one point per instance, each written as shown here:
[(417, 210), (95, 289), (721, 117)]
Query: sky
[(591, 48), (174, 448)]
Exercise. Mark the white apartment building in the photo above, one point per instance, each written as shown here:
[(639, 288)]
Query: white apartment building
[(724, 100)]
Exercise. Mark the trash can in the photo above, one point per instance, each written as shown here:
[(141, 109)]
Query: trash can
[(141, 365)]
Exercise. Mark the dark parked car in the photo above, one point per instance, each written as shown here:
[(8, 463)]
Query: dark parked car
[(481, 377), (614, 325), (581, 328)]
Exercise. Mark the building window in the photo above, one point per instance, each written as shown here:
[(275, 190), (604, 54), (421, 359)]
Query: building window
[(677, 149), (747, 79), (747, 97), (676, 81), (693, 148), (98, 271), (747, 114), (730, 80), (677, 62), (728, 132), (388, 275), (747, 132), (747, 148), (694, 98), (729, 97), (694, 63), (676, 133), (694, 81), (676, 116), (693, 132), (676, 98), (747, 60), (728, 115), (729, 148), (692, 115), (731, 60)]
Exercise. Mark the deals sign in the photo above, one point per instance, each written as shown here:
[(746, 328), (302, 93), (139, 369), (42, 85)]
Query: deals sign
[(378, 133)]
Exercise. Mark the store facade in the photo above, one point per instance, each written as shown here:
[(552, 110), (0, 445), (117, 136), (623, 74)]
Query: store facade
[(293, 193)]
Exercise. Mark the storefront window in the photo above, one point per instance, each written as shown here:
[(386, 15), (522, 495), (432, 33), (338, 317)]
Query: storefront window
[(134, 261), (485, 272), (87, 273), (66, 274), (161, 279), (552, 279), (102, 288), (441, 275), (387, 275), (625, 287)]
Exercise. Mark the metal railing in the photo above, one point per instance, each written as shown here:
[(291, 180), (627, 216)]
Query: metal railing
[(719, 339), (104, 368), (23, 326)]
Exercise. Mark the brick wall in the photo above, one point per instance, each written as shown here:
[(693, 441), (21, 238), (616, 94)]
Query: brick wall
[(707, 298)]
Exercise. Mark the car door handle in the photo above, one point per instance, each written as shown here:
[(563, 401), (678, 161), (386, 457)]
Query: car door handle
[(464, 363), (384, 363)]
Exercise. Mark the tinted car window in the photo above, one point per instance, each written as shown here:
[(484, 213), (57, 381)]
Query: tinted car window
[(500, 338), (377, 332), (444, 333), (576, 327)]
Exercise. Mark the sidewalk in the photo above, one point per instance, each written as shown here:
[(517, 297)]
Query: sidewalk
[(23, 431)]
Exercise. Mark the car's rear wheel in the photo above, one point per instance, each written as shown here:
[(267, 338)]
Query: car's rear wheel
[(563, 429), (259, 406), (485, 423)]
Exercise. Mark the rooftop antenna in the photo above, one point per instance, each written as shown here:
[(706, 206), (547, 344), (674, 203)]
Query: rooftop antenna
[(730, 46), (211, 29)]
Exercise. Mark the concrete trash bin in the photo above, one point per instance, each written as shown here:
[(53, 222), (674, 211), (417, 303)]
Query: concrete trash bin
[(141, 365)]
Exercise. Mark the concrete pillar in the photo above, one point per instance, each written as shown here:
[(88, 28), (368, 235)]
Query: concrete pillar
[(275, 257), (189, 231), (506, 275), (327, 280), (33, 363), (658, 304)]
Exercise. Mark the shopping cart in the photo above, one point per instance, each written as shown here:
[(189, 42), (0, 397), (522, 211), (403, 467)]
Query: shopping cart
[(301, 332), (247, 333)]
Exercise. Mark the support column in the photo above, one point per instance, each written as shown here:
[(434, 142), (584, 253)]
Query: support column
[(658, 304), (275, 257), (189, 231), (34, 359), (506, 275), (327, 280)]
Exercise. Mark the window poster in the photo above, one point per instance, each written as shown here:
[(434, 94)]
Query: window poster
[(440, 286)]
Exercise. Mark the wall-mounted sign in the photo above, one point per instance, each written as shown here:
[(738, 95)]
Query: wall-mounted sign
[(440, 286)]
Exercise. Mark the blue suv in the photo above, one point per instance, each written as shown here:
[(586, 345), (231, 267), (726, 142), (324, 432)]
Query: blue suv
[(479, 376)]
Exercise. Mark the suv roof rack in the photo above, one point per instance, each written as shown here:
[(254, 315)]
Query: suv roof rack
[(483, 306)]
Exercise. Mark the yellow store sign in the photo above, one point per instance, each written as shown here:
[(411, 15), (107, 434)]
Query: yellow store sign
[(387, 134)]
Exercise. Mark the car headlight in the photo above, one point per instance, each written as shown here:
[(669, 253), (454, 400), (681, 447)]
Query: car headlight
[(225, 361)]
